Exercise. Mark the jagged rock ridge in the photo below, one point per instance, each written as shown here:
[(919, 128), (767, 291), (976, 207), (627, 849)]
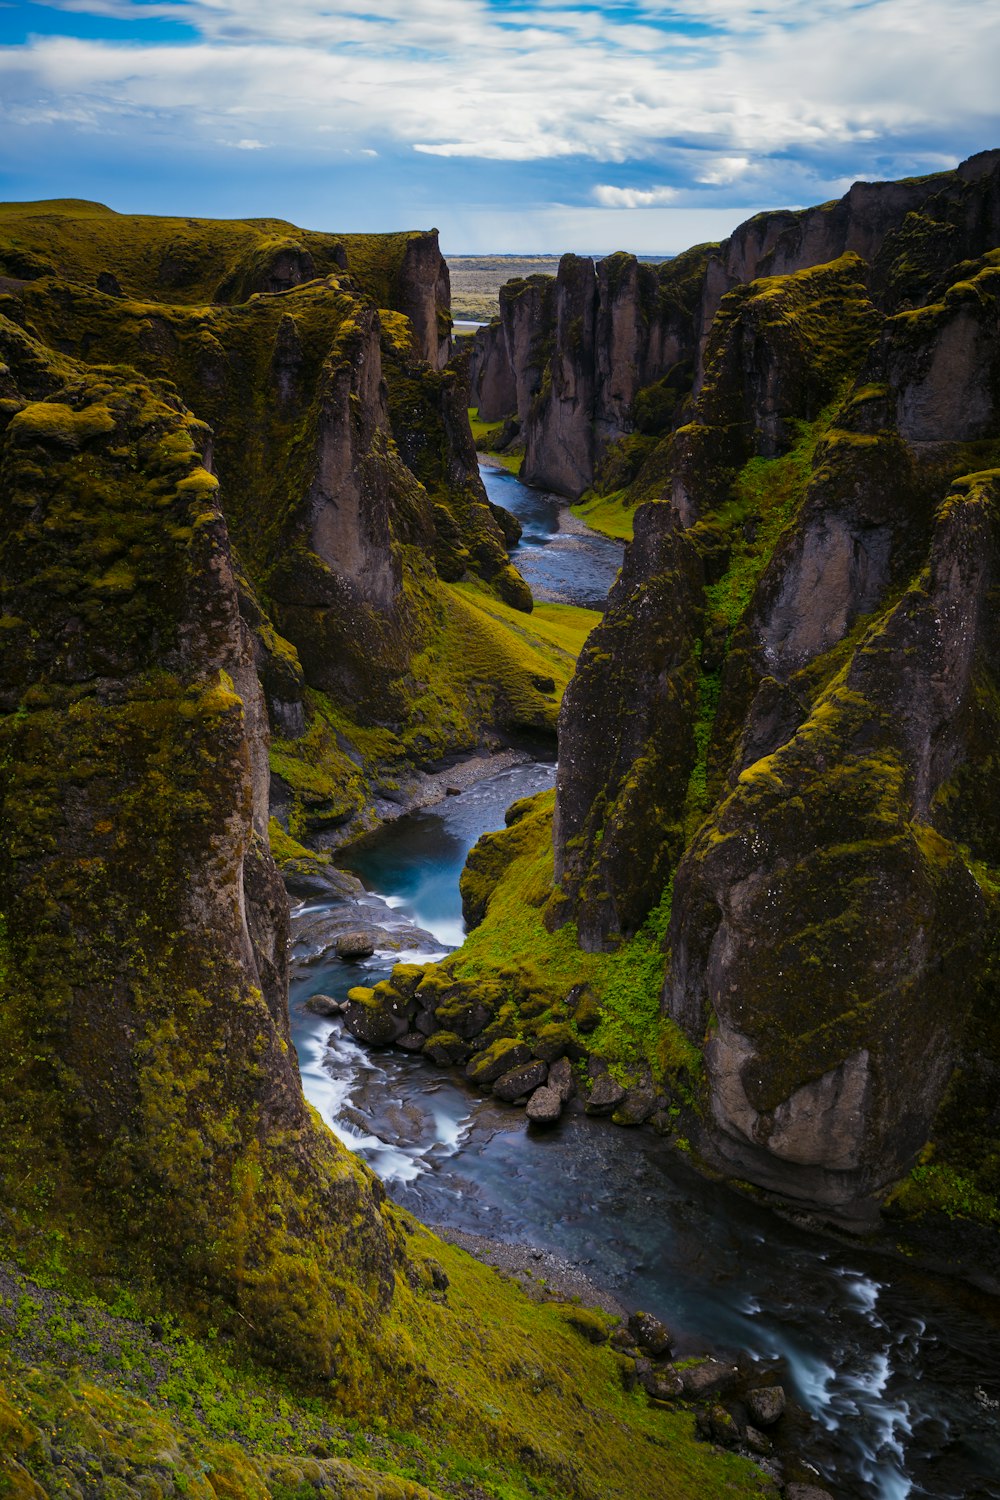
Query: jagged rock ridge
[(800, 656)]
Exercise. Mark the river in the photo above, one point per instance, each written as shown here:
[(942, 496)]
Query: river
[(899, 1368)]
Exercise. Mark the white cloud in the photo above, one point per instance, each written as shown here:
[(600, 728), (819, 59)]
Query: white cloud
[(724, 170), (835, 85), (616, 197), (248, 144)]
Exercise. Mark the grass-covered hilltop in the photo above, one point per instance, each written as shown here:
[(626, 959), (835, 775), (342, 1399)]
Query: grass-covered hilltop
[(772, 861), (242, 519)]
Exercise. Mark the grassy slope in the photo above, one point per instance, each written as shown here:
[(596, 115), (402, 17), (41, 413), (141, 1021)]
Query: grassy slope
[(530, 659), (486, 435), (611, 515), (515, 1403), (536, 968)]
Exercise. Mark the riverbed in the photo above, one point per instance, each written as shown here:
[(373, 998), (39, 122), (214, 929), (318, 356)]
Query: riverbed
[(899, 1368)]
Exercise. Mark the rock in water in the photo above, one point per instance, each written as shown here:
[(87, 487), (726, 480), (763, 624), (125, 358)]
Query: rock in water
[(544, 1107), (561, 1079), (324, 1005), (355, 944), (520, 1081), (605, 1096), (766, 1404)]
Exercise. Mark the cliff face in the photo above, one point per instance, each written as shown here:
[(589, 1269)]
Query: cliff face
[(598, 362), (802, 648), (155, 1147), (353, 498), (149, 1087), (569, 355), (150, 1090)]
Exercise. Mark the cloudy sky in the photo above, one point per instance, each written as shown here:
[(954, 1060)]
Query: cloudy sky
[(535, 126)]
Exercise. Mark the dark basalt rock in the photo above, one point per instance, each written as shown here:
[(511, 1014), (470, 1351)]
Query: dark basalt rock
[(708, 1378), (544, 1107), (561, 1079), (650, 1334), (500, 1057), (520, 1081), (447, 1049), (375, 1019), (324, 1005), (605, 1095), (355, 944), (777, 733), (766, 1405)]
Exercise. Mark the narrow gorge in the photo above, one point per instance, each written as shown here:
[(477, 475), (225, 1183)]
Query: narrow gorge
[(699, 876)]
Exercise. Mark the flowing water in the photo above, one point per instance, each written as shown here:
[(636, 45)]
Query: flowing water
[(558, 556), (900, 1369)]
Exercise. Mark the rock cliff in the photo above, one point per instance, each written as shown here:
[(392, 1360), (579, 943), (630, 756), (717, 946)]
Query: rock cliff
[(569, 355), (776, 748), (595, 364), (353, 497)]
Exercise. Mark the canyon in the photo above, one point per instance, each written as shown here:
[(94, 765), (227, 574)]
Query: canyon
[(256, 600)]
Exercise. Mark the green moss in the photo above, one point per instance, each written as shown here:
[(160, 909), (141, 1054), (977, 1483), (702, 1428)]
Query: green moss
[(611, 515), (486, 436), (935, 1187), (513, 947), (105, 1402)]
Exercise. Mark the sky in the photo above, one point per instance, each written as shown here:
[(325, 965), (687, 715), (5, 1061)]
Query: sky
[(531, 127)]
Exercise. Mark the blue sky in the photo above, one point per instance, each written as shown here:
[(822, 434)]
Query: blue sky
[(537, 126)]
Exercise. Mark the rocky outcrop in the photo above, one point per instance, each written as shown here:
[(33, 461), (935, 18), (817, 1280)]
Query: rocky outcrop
[(352, 491), (148, 1076), (795, 764), (424, 296), (597, 364), (568, 357)]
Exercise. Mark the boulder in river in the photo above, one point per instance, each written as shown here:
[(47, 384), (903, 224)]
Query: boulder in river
[(447, 1049), (358, 943), (498, 1058), (766, 1404), (520, 1081), (324, 1005), (544, 1107), (561, 1079), (376, 1017), (412, 1041), (605, 1096)]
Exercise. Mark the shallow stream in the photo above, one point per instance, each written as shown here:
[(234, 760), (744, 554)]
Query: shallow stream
[(899, 1368)]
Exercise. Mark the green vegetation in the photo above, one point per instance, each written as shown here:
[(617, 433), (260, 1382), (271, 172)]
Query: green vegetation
[(487, 435), (90, 1394), (612, 515), (533, 970)]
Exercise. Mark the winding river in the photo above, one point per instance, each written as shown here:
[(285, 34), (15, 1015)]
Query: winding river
[(899, 1369)]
